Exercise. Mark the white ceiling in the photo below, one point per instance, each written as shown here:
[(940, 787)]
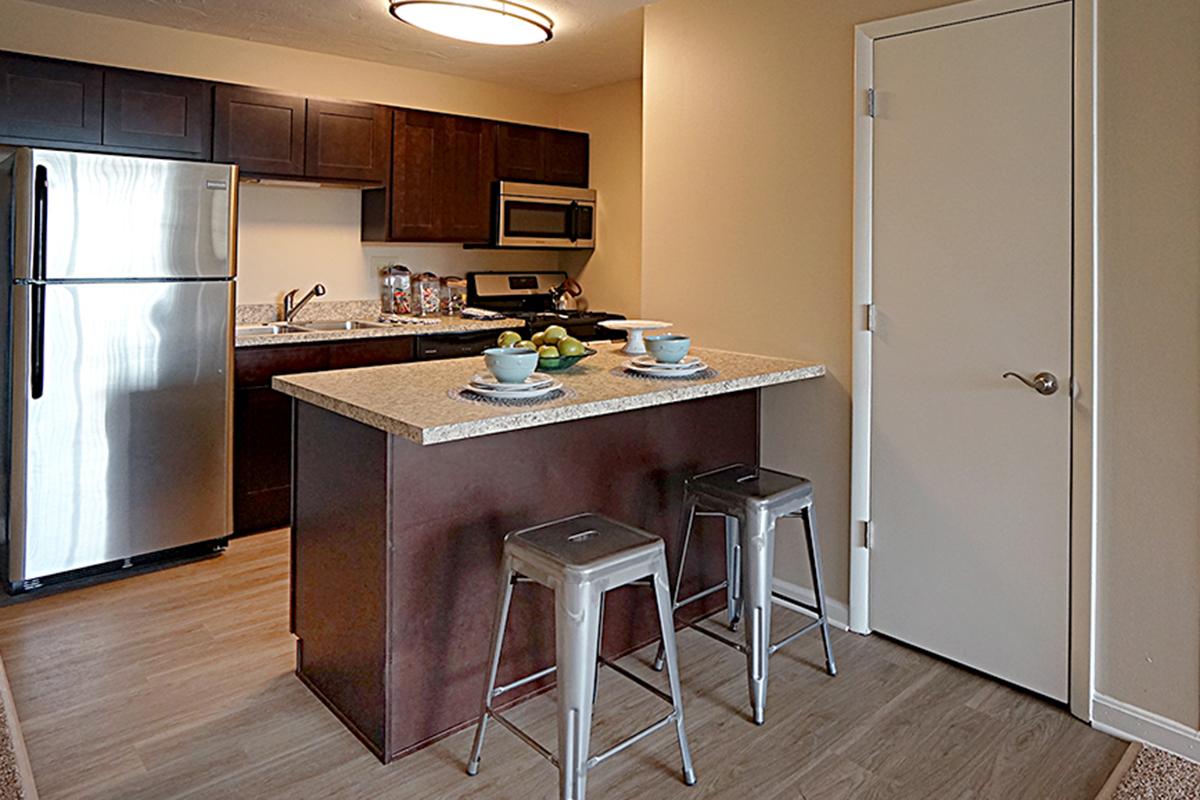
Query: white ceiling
[(595, 42)]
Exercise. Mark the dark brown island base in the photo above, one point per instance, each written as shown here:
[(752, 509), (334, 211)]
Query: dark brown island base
[(402, 494)]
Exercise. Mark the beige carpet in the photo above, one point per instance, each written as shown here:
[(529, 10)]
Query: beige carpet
[(16, 776), (1146, 773)]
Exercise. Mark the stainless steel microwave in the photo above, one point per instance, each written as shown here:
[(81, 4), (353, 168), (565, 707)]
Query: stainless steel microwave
[(536, 215)]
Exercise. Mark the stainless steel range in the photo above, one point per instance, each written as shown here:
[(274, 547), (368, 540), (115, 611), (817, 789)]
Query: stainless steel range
[(527, 296), (532, 296)]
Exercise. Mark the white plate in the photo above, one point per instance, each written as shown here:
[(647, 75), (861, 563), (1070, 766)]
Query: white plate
[(659, 372), (520, 394), (651, 362), (534, 381)]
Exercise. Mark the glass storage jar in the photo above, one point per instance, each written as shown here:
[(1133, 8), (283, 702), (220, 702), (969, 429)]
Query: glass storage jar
[(395, 290), (427, 294)]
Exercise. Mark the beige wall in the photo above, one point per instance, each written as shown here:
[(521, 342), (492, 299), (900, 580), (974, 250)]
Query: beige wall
[(290, 237), (1148, 649), (611, 275), (748, 167), (295, 237), (747, 244)]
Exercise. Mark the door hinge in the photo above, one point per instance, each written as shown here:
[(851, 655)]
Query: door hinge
[(871, 103), (868, 534), (869, 317)]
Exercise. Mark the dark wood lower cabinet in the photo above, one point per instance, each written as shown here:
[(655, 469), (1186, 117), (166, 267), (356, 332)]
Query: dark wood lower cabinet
[(262, 420)]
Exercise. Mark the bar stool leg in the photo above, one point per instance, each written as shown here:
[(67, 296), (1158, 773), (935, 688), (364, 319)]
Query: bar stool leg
[(666, 622), (758, 558), (599, 650), (577, 623), (689, 514), (733, 573), (814, 560), (506, 589)]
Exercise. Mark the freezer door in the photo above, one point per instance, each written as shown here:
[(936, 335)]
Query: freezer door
[(122, 445), (115, 218)]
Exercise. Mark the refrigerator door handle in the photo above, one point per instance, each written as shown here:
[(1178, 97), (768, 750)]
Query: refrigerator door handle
[(37, 294)]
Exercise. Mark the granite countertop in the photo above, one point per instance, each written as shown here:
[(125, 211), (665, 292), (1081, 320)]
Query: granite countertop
[(415, 401), (441, 325)]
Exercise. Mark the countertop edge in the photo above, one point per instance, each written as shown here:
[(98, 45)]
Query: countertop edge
[(457, 431), (330, 337)]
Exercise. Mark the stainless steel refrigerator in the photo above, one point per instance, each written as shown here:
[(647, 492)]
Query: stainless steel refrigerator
[(117, 358)]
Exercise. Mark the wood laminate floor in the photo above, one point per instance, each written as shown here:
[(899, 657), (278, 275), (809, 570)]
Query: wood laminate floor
[(178, 684)]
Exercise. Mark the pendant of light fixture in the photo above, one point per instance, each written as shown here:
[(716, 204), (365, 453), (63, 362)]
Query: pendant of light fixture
[(481, 21)]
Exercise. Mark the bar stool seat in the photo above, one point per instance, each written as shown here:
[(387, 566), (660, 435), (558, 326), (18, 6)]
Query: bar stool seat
[(751, 499), (581, 558)]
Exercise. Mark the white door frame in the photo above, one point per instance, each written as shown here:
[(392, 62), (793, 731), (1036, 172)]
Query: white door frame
[(1083, 332)]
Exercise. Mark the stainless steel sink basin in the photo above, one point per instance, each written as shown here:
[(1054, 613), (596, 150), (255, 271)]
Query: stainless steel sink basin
[(338, 325), (268, 330)]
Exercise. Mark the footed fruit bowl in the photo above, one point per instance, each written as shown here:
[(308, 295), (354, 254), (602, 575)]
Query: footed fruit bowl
[(558, 364)]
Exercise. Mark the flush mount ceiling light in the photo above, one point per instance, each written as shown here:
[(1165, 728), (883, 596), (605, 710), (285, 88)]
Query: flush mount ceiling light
[(480, 21)]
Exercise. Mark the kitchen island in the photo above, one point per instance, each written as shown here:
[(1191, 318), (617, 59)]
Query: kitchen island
[(402, 492)]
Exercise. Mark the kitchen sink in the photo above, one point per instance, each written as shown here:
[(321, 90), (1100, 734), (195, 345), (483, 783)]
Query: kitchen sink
[(338, 325), (268, 330)]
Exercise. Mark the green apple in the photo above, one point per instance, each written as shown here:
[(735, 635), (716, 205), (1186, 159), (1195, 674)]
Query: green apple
[(528, 345), (548, 351), (570, 346), (508, 339), (539, 338), (555, 333)]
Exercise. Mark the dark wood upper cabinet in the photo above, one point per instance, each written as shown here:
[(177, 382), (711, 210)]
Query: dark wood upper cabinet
[(144, 112), (519, 153), (46, 101), (262, 132), (348, 141), (466, 162), (414, 176), (541, 155), (442, 169), (566, 157)]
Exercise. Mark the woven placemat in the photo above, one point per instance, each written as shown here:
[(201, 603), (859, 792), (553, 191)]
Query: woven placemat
[(468, 396), (702, 375)]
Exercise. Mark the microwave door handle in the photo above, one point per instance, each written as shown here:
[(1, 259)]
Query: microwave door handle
[(573, 226)]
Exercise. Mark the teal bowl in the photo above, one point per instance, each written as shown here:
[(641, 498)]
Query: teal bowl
[(510, 364), (669, 348), (562, 362)]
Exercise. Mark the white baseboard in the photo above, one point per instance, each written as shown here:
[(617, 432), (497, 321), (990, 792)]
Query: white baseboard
[(1136, 724), (839, 614)]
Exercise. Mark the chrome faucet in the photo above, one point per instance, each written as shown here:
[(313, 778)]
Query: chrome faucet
[(291, 308)]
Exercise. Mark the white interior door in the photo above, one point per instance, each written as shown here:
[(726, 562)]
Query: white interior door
[(971, 249)]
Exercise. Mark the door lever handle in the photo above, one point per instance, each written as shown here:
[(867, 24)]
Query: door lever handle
[(1042, 383)]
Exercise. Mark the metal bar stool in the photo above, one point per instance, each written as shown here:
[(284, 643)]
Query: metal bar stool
[(581, 558), (751, 499)]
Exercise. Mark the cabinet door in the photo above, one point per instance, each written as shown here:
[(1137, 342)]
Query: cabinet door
[(414, 180), (347, 141), (519, 153), (50, 101), (565, 154), (464, 168), (157, 114), (262, 132)]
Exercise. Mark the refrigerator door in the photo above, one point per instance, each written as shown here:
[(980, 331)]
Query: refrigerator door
[(125, 449), (117, 218)]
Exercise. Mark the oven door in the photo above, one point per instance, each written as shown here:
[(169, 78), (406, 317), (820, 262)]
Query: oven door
[(545, 222)]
